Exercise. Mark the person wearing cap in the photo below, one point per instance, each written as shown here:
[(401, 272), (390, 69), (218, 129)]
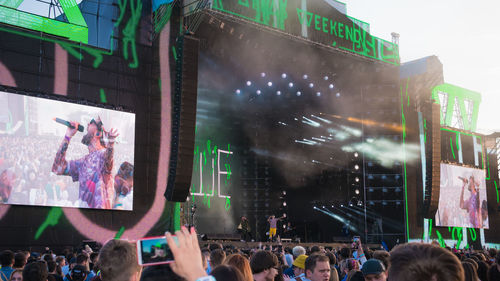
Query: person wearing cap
[(299, 268), (92, 171), (374, 270)]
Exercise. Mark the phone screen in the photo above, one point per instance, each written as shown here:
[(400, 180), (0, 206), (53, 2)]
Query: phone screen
[(155, 250)]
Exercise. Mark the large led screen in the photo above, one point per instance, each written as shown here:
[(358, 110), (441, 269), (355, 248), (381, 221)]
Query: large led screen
[(462, 199), (55, 153)]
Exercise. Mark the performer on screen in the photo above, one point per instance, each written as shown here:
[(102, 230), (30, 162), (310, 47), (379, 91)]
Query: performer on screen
[(93, 171), (472, 204)]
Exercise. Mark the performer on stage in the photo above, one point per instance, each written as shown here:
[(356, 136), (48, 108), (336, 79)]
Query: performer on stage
[(244, 229), (93, 171), (273, 222), (472, 204)]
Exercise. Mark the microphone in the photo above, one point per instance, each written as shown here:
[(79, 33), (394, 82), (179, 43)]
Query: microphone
[(66, 123)]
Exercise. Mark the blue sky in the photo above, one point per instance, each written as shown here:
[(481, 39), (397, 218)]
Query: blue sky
[(464, 35)]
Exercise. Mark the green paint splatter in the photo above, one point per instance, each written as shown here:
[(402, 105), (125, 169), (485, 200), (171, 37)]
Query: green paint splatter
[(51, 220), (473, 234), (451, 146), (440, 239), (174, 53), (120, 233), (228, 204), (103, 96)]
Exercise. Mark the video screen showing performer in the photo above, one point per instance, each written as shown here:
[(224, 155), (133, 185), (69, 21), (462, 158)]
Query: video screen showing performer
[(462, 199), (55, 153)]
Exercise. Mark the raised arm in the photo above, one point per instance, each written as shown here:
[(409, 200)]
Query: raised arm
[(59, 167)]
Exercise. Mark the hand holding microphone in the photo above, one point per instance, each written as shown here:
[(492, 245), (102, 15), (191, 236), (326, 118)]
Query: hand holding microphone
[(73, 127)]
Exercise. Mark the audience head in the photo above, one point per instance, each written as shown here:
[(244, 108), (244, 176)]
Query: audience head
[(345, 253), (298, 250), (35, 271), (20, 260), (79, 273), (383, 256), (17, 275), (469, 271), (7, 258), (332, 258), (117, 261), (51, 266), (217, 257), (318, 268), (482, 271), (299, 265), (263, 265), (225, 272), (374, 270), (241, 263), (417, 261)]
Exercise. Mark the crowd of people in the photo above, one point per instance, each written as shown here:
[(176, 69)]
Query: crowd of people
[(117, 261)]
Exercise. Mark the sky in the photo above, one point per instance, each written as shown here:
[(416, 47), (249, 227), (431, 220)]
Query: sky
[(464, 36)]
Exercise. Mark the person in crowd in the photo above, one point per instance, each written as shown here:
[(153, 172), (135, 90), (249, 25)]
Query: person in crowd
[(83, 259), (264, 265), (78, 273), (470, 271), (20, 260), (417, 261), (52, 269), (334, 275), (383, 256), (241, 263), (7, 261), (494, 271), (374, 270), (161, 272), (299, 268), (217, 257), (296, 251), (117, 261), (318, 268), (346, 266), (17, 275), (288, 256), (244, 229), (67, 268), (355, 275), (482, 271), (35, 271), (226, 272), (61, 262)]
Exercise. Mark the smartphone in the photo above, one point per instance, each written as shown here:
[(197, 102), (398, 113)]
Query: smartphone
[(154, 250)]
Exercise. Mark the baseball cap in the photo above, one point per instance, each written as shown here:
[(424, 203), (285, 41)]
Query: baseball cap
[(372, 266), (300, 262)]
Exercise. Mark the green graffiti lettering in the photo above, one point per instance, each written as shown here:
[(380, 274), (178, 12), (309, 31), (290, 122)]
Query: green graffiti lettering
[(333, 27), (316, 22), (341, 30), (324, 25)]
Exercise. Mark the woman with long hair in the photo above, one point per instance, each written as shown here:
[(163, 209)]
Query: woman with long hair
[(241, 263)]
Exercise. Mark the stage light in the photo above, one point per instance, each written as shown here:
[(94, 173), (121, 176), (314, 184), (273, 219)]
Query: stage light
[(290, 84), (238, 91), (342, 205), (284, 192), (284, 215), (333, 206), (356, 154), (337, 95), (360, 203), (269, 83), (258, 92), (350, 205), (284, 204), (284, 226), (356, 179), (330, 86), (283, 75), (326, 78), (278, 93), (356, 191), (311, 85), (314, 207), (305, 76), (318, 94), (249, 83), (356, 167), (323, 206), (384, 203), (262, 75), (299, 93)]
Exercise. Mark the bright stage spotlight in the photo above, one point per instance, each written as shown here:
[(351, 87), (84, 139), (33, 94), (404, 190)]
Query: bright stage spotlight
[(305, 76), (238, 91), (290, 84), (299, 93), (337, 95), (356, 154), (311, 85), (356, 191), (318, 94), (330, 86), (262, 75), (249, 83), (326, 78), (356, 167), (269, 83), (283, 75), (258, 92), (284, 204), (278, 93), (356, 179)]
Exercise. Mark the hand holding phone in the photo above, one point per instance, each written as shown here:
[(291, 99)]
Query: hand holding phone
[(153, 251)]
